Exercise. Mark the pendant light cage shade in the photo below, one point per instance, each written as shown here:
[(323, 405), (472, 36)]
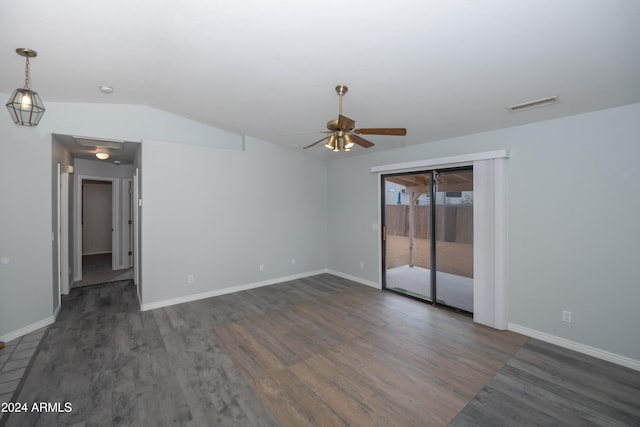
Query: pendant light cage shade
[(26, 107)]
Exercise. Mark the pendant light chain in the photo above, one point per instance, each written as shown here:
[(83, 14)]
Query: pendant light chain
[(26, 74)]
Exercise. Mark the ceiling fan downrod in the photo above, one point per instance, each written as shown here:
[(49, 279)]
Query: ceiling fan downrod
[(341, 90)]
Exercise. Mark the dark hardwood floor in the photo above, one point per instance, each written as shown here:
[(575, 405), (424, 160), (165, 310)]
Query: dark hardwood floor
[(319, 351), (546, 385)]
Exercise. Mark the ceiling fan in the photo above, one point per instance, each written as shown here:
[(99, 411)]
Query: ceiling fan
[(343, 134)]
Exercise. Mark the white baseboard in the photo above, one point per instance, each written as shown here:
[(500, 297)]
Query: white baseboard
[(575, 346), (30, 328), (355, 279), (217, 292)]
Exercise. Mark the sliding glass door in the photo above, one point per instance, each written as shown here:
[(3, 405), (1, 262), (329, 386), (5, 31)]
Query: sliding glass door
[(454, 238), (407, 231), (428, 236)]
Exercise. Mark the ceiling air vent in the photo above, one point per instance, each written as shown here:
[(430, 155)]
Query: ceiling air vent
[(99, 142), (534, 104)]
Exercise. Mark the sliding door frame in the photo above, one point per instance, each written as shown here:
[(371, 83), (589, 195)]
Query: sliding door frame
[(433, 173), (490, 298), (383, 236)]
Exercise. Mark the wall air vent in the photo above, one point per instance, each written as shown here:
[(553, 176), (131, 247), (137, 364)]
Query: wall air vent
[(534, 104), (86, 141)]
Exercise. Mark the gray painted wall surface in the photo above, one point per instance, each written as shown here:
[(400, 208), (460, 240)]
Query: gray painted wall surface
[(25, 225), (219, 214), (573, 232)]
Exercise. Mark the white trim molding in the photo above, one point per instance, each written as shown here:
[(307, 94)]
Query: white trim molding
[(575, 346), (56, 312), (30, 328), (355, 279), (224, 291), (463, 159)]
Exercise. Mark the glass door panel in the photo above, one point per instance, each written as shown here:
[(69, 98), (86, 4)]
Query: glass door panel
[(454, 238), (407, 234)]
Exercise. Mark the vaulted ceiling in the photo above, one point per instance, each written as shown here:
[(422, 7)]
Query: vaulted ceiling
[(440, 68)]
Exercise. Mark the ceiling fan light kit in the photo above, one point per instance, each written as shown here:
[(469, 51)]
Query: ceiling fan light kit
[(25, 106), (344, 135)]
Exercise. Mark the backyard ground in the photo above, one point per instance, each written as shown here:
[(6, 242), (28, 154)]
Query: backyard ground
[(453, 258)]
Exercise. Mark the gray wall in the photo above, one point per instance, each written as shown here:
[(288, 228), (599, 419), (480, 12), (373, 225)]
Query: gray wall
[(573, 232), (219, 214), (25, 225)]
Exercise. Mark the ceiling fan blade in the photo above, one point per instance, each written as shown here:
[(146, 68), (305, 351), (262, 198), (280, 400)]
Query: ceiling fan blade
[(317, 142), (382, 131), (304, 133), (345, 123), (361, 141)]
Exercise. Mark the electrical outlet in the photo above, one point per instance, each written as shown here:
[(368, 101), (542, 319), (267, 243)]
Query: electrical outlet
[(261, 267), (191, 278), (361, 265), (566, 316), (293, 262)]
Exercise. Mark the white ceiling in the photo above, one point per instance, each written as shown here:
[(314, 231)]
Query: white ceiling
[(440, 68)]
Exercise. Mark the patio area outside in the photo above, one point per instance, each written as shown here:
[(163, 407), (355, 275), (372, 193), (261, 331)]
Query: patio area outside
[(454, 275)]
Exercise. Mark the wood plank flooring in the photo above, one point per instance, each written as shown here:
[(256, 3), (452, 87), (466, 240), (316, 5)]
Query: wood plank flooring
[(544, 384), (319, 351)]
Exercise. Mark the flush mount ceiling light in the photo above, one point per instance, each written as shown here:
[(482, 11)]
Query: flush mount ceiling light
[(106, 89), (102, 155), (25, 106), (534, 104)]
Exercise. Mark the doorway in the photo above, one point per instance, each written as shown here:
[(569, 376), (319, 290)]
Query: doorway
[(427, 220), (97, 229)]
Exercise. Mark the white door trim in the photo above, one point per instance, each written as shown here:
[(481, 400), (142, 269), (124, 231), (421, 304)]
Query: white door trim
[(136, 233), (127, 209), (63, 236), (58, 197)]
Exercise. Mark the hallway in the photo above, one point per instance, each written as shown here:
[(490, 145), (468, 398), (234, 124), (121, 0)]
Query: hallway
[(97, 269)]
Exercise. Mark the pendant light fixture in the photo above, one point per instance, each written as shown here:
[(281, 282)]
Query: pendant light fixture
[(25, 106)]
